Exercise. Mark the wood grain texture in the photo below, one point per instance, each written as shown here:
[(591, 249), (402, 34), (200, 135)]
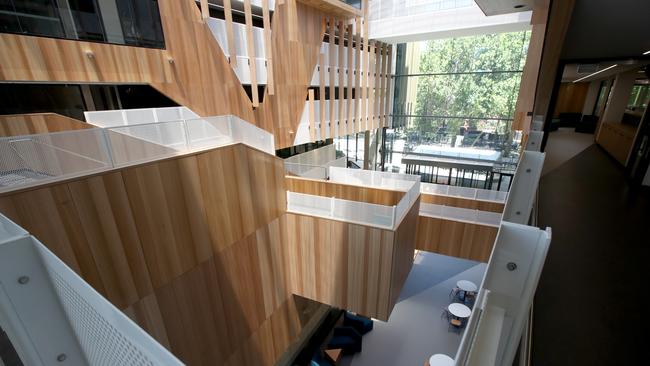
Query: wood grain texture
[(559, 17), (341, 126), (248, 16), (529, 76), (268, 53), (192, 70), (193, 255), (455, 238), (232, 51), (351, 266), (335, 7), (343, 191), (33, 123), (321, 96), (571, 98), (462, 202)]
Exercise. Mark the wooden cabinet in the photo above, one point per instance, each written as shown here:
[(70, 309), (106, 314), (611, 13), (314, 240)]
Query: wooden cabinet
[(617, 139)]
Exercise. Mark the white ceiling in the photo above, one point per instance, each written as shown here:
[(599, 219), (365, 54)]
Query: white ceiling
[(496, 7), (572, 73)]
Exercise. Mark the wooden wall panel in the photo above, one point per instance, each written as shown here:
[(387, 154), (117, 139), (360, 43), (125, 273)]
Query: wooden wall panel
[(571, 98), (340, 264), (462, 202), (405, 242), (528, 86), (188, 247), (343, 191), (33, 123), (455, 238), (355, 267), (192, 70)]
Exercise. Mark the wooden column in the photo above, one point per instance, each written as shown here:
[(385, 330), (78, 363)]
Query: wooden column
[(332, 72), (372, 68), (357, 77), (312, 123), (350, 124), (389, 73), (341, 115), (232, 51), (248, 16), (382, 97), (205, 10), (267, 47), (376, 106), (321, 96), (365, 98)]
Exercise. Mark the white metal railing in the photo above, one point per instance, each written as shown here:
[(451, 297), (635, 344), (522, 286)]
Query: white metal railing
[(386, 217), (467, 215), (505, 296), (476, 194), (343, 210), (306, 170), (52, 316), (125, 117), (36, 159), (520, 200), (408, 183)]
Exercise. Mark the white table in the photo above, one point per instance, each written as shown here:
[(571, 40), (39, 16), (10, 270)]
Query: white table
[(459, 310), (467, 286), (441, 360)]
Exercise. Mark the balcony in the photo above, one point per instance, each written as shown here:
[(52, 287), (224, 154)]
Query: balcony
[(351, 239)]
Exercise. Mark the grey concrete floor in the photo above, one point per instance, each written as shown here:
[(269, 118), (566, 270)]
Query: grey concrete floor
[(415, 329), (592, 299)]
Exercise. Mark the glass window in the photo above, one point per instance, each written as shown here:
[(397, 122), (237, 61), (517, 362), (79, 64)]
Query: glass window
[(129, 22)]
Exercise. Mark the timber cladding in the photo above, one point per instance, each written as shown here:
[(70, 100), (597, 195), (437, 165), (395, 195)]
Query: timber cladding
[(192, 70), (455, 238), (355, 267), (343, 191), (185, 246), (463, 203), (34, 123)]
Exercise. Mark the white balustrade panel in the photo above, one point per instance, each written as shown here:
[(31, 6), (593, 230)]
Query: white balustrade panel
[(53, 316)]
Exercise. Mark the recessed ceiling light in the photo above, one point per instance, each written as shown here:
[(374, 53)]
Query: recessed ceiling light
[(646, 52), (519, 6)]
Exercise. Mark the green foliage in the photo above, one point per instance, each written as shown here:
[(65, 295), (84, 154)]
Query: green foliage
[(489, 94)]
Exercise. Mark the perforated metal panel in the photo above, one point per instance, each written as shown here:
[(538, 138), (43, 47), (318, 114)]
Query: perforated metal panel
[(102, 343)]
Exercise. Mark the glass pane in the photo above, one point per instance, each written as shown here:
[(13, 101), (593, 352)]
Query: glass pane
[(127, 22)]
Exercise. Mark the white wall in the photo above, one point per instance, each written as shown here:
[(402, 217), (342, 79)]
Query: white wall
[(590, 99), (619, 96)]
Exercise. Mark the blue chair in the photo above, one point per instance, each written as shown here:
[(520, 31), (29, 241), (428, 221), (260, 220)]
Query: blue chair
[(361, 324), (347, 339)]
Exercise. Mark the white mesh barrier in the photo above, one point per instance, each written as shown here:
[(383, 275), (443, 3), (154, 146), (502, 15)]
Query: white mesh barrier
[(309, 204), (463, 192), (343, 210), (305, 170), (36, 159), (52, 316), (364, 213), (460, 214), (26, 160)]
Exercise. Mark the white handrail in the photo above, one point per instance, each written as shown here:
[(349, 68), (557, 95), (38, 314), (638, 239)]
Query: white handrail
[(32, 160), (53, 316)]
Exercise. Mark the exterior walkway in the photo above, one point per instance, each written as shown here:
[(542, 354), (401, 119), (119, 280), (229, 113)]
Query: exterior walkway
[(592, 300)]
